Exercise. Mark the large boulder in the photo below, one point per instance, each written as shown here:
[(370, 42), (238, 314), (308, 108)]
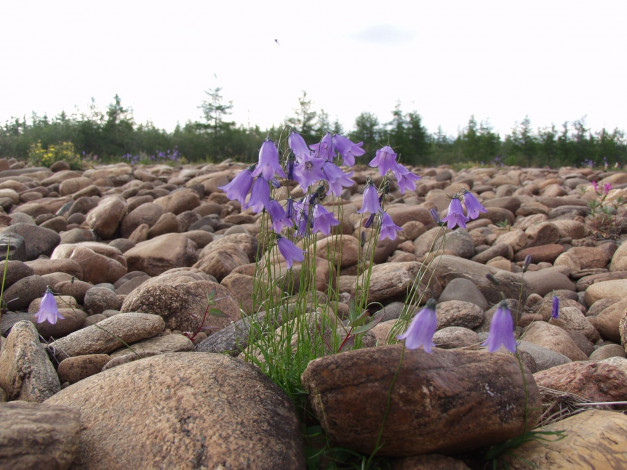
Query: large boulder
[(184, 411), (447, 401)]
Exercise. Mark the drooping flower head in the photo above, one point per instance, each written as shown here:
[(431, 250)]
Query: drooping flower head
[(421, 329), (301, 150), (268, 164), (385, 160), (501, 330), (259, 196), (388, 227), (325, 149), (473, 206), (238, 188), (290, 252), (348, 149), (336, 178), (48, 310), (435, 216), (526, 263), (555, 307), (370, 201), (277, 216), (595, 186), (607, 187), (405, 178), (323, 220), (455, 216)]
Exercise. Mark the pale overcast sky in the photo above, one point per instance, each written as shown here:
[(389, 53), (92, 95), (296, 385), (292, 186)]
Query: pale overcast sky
[(552, 60)]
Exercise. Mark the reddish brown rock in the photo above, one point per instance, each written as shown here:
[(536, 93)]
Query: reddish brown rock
[(73, 369), (594, 381), (100, 262), (181, 298), (105, 218), (447, 401), (542, 253), (155, 256), (554, 338)]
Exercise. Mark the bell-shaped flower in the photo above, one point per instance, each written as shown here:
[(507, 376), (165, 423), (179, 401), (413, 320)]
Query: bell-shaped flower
[(385, 160), (239, 187), (277, 216), (325, 149), (301, 150), (290, 252), (348, 149), (555, 307), (268, 164), (405, 178), (422, 328), (388, 227), (473, 206), (336, 178), (323, 220), (307, 173), (370, 201), (48, 310), (455, 216), (259, 196), (501, 330)]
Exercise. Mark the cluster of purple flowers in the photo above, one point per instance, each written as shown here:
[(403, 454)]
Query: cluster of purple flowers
[(313, 166), (607, 187), (456, 217)]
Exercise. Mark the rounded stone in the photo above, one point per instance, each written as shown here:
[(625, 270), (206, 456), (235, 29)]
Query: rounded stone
[(184, 411)]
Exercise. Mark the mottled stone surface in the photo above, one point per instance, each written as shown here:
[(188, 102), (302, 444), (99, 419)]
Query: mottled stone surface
[(448, 401), (184, 411), (35, 435), (26, 373), (593, 439)]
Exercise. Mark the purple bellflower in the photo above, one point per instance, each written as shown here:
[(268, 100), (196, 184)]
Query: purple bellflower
[(595, 186), (325, 149), (388, 227), (348, 149), (473, 206), (268, 164), (323, 220), (435, 216), (336, 178), (421, 329), (259, 196), (607, 187), (309, 172), (277, 215), (370, 200), (455, 216), (48, 310), (301, 150), (501, 330), (385, 160), (289, 251), (239, 187), (555, 308), (405, 178)]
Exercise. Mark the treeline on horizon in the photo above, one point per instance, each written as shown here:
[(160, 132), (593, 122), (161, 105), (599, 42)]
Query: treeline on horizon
[(113, 135)]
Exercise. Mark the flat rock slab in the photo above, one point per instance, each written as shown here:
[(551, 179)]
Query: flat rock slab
[(447, 401), (108, 335)]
